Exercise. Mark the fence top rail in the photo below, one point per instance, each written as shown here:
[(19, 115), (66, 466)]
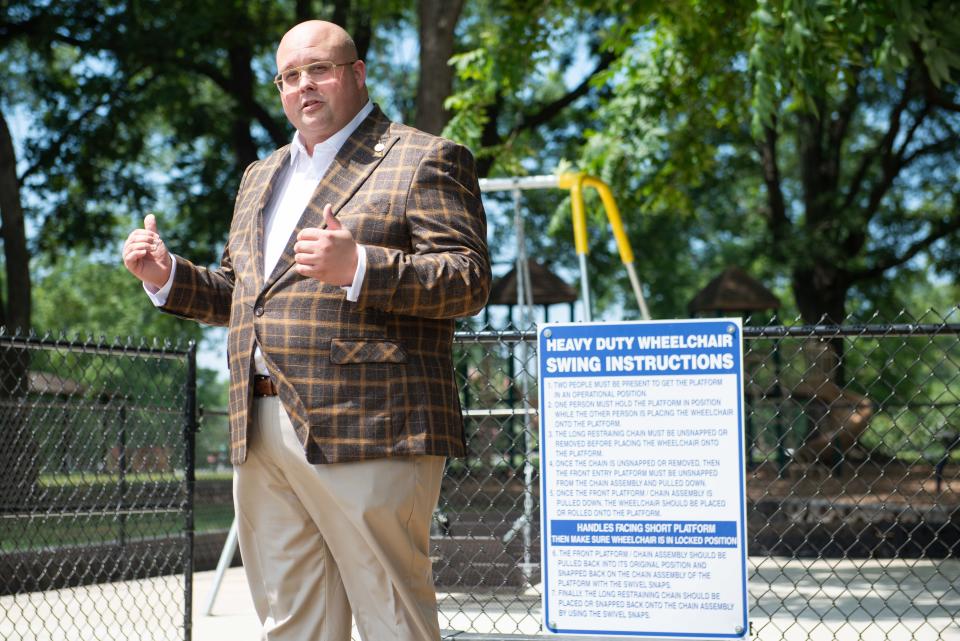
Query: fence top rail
[(168, 350), (853, 330), (487, 336), (755, 332)]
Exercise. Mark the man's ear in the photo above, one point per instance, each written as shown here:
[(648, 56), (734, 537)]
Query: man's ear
[(359, 70)]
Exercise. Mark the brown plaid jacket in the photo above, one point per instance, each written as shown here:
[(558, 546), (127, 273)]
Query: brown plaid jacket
[(360, 380)]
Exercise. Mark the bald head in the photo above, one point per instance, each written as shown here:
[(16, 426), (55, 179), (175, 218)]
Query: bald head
[(319, 105), (313, 32)]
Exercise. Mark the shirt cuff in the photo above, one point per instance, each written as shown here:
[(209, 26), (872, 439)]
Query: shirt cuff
[(353, 291), (159, 296)]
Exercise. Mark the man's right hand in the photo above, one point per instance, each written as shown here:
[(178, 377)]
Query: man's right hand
[(145, 256)]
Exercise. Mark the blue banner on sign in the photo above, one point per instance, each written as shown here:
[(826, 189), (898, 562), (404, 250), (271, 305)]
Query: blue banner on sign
[(707, 534)]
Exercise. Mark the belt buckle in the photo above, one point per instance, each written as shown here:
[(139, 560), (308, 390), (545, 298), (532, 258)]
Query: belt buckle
[(263, 386)]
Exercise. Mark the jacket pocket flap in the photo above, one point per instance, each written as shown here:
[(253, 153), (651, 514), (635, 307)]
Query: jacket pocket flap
[(343, 352)]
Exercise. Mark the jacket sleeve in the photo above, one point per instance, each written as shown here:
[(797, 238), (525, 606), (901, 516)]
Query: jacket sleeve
[(202, 294), (446, 272)]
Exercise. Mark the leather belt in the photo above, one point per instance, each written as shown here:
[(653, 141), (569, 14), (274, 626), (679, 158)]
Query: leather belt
[(263, 386)]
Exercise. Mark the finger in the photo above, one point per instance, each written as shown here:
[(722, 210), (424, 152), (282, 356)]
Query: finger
[(332, 223), (142, 235), (131, 257), (305, 259), (143, 246), (150, 223), (307, 247), (305, 270), (310, 233), (150, 242)]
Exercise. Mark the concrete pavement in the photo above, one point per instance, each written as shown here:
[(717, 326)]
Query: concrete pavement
[(792, 600)]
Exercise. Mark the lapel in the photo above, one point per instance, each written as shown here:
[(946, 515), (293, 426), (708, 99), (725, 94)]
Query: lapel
[(267, 177), (353, 164)]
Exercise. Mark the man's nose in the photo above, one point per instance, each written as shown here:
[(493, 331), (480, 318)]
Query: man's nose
[(304, 78)]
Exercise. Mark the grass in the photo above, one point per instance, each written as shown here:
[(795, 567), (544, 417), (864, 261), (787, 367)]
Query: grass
[(214, 475), (32, 532), (79, 479), (84, 527)]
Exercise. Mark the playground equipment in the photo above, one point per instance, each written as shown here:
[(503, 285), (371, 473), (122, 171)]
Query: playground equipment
[(575, 182)]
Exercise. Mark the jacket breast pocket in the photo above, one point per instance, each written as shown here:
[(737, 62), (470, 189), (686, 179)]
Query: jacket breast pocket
[(344, 352), (377, 206), (375, 221)]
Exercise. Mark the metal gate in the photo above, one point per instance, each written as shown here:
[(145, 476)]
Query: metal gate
[(96, 489)]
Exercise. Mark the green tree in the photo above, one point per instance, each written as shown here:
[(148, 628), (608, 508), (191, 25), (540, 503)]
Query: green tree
[(513, 103), (813, 143), (816, 142), (101, 301)]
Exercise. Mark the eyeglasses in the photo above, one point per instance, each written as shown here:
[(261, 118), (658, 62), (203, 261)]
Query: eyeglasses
[(289, 79)]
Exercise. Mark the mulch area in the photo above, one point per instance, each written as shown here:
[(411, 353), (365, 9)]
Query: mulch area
[(863, 483)]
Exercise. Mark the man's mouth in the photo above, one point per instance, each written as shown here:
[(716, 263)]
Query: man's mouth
[(310, 105)]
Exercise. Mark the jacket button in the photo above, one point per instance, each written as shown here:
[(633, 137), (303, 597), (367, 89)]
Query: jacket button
[(258, 311)]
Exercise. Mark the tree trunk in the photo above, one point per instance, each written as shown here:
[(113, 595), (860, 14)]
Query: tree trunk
[(18, 462), (821, 289), (438, 21), (356, 20), (821, 293), (241, 79), (16, 313), (836, 417), (303, 10)]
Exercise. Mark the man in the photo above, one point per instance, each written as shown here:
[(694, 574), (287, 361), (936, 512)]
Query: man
[(350, 252)]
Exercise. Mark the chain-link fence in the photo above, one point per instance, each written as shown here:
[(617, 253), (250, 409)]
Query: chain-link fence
[(853, 485), (96, 489)]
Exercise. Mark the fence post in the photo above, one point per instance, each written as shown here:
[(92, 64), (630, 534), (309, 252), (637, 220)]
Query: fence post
[(748, 428), (189, 436), (779, 431), (122, 472)]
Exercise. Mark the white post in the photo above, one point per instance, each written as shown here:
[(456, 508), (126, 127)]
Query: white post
[(226, 555)]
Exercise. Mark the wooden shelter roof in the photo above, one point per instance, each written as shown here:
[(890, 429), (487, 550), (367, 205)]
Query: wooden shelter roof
[(548, 288), (734, 290)]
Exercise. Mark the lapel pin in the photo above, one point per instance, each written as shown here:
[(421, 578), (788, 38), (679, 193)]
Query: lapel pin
[(378, 147)]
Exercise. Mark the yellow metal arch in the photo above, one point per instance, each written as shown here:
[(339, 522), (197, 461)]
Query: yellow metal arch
[(576, 182)]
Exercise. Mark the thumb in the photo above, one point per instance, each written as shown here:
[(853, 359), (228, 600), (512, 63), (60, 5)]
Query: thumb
[(332, 223), (150, 223)]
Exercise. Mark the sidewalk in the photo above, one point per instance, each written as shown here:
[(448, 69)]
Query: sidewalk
[(232, 617), (792, 600)]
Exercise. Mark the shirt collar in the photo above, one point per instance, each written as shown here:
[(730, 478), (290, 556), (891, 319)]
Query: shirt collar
[(332, 144)]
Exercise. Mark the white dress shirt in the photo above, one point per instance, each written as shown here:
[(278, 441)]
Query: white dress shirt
[(295, 186)]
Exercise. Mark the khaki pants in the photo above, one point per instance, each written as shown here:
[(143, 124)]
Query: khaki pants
[(321, 541)]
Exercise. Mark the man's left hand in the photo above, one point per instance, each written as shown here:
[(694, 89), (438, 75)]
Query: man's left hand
[(329, 255)]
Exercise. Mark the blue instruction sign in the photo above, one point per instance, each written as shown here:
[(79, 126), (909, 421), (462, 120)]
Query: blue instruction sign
[(642, 479)]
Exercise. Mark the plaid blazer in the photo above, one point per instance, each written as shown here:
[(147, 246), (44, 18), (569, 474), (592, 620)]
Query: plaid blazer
[(360, 380)]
